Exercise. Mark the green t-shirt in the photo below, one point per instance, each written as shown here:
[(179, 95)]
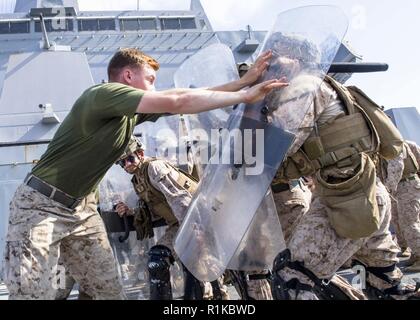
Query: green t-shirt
[(91, 138)]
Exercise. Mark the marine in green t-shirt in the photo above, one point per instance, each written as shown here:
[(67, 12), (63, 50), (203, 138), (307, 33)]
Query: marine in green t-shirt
[(91, 138), (98, 128)]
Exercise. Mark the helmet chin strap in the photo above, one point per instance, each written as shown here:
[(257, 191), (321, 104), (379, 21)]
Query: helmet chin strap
[(141, 158), (140, 155)]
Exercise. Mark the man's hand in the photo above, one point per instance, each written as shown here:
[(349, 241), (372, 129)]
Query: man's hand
[(259, 91), (123, 209), (257, 69)]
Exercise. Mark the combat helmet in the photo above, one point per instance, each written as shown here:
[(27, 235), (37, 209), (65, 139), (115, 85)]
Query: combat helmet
[(294, 46), (133, 145)]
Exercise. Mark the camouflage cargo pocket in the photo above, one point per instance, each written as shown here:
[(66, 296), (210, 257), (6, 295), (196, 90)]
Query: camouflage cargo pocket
[(18, 273), (352, 205)]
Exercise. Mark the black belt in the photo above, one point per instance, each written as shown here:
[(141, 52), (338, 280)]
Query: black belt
[(280, 187), (51, 192)]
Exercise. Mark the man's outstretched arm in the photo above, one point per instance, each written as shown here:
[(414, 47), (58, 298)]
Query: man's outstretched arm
[(190, 101)]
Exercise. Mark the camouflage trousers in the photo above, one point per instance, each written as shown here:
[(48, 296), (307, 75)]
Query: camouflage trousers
[(408, 214), (291, 205), (168, 238), (41, 232), (315, 243)]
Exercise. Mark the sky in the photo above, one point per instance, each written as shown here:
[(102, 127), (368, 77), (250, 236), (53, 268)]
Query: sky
[(379, 30)]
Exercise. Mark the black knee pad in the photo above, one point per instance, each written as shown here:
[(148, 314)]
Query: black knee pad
[(160, 260)]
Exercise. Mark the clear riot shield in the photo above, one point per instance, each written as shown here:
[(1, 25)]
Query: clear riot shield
[(257, 250), (131, 254), (160, 138), (167, 139), (303, 42), (262, 241), (219, 61)]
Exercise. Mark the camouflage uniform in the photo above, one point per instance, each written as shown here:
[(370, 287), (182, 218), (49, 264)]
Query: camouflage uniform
[(314, 242), (164, 178), (291, 205), (408, 207), (394, 170), (41, 231)]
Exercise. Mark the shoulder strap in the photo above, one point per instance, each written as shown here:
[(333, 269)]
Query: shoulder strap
[(343, 93), (411, 166), (144, 173)]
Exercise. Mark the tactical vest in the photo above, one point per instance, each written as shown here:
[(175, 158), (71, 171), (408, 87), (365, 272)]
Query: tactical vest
[(365, 128), (348, 141), (154, 199), (411, 166)]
